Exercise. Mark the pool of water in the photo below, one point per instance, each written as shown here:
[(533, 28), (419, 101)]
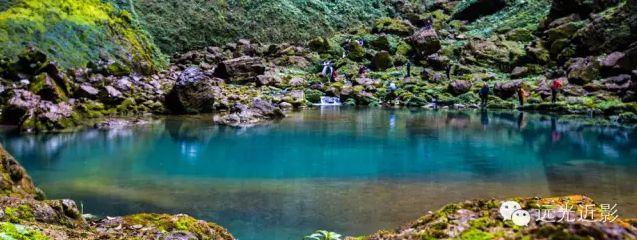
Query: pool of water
[(345, 170)]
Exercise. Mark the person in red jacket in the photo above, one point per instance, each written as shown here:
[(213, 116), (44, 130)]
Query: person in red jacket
[(334, 75), (521, 95), (555, 86)]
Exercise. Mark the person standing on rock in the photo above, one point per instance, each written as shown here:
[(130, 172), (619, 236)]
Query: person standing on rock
[(425, 75), (408, 69), (484, 95), (521, 95), (555, 87), (326, 67), (449, 72), (392, 91), (346, 48), (362, 71), (333, 75)]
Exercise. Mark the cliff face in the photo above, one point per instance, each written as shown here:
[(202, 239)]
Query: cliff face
[(26, 214)]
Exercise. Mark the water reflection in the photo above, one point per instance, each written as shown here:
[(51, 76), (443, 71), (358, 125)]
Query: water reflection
[(331, 167)]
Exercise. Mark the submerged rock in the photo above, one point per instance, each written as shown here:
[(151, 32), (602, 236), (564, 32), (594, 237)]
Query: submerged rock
[(248, 116)]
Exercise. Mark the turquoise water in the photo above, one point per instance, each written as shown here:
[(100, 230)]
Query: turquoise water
[(345, 170)]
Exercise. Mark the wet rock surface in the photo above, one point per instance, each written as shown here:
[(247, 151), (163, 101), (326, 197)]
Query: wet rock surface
[(250, 115)]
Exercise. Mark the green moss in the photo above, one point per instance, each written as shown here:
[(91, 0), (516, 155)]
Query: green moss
[(313, 96), (192, 24), (518, 14), (392, 26), (19, 232), (128, 106), (475, 234), (168, 223), (75, 33), (19, 214)]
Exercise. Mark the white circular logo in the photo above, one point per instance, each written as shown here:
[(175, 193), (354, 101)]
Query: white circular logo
[(507, 208), (521, 217)]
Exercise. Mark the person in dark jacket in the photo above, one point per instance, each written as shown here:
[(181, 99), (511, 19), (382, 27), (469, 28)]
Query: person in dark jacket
[(484, 95)]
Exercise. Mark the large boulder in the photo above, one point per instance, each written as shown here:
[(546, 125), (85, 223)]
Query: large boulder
[(560, 8), (608, 31), (247, 116), (583, 70), (393, 26), (458, 87), (506, 90), (320, 45), (479, 8), (493, 53), (31, 113), (193, 92), (240, 69), (618, 84), (425, 41), (381, 43), (623, 62), (382, 61), (48, 88), (438, 61)]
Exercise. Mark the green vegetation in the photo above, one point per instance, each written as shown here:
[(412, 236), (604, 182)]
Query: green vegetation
[(76, 33), (19, 232), (192, 24), (323, 235), (525, 14)]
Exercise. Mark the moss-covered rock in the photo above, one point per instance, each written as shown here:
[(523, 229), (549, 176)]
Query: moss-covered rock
[(313, 96), (393, 26), (76, 33), (382, 61), (480, 219)]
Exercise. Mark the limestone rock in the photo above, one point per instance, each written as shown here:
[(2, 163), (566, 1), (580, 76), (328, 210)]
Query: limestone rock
[(425, 41), (479, 8), (458, 87), (193, 92), (583, 70), (240, 69)]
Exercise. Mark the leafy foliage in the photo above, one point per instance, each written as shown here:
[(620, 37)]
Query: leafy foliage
[(323, 235)]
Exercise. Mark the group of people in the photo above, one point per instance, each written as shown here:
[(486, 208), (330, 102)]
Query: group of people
[(556, 86)]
